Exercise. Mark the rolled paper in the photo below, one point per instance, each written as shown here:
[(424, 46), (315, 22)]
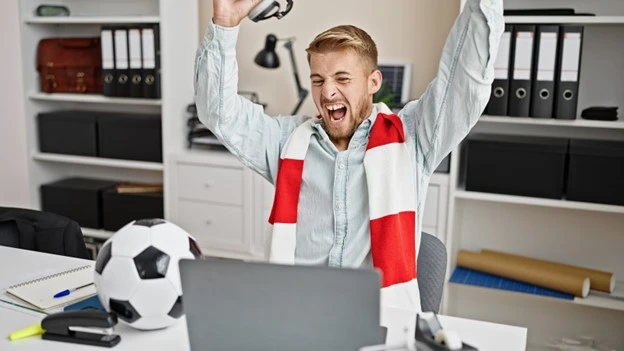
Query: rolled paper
[(530, 273), (599, 280)]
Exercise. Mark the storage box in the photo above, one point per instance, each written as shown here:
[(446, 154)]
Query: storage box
[(516, 165), (596, 171), (122, 208), (79, 199), (68, 132), (130, 136)]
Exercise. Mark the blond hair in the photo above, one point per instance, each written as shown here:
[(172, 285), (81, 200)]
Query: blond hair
[(346, 37)]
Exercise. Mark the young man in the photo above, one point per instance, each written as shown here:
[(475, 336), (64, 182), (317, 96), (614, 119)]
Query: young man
[(350, 182)]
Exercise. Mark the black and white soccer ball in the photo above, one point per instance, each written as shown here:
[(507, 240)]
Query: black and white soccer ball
[(137, 274)]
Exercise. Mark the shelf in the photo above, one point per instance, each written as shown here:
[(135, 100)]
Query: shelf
[(93, 20), (98, 161), (93, 98), (565, 19), (574, 123), (97, 233), (592, 300), (534, 201)]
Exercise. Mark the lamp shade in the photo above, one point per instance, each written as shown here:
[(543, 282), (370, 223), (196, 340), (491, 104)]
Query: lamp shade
[(267, 57)]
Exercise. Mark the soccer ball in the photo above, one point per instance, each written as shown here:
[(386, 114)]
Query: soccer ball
[(137, 275)]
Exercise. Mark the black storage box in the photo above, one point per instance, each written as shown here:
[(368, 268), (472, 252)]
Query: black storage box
[(122, 208), (79, 199), (596, 171), (516, 165), (68, 132), (130, 136)]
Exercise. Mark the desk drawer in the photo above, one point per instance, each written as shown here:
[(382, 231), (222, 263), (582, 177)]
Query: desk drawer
[(214, 184), (213, 226)]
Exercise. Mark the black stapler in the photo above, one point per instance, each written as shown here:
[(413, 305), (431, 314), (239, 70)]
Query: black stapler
[(431, 337), (85, 327)]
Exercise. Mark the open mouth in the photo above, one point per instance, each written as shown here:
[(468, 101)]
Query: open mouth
[(337, 112)]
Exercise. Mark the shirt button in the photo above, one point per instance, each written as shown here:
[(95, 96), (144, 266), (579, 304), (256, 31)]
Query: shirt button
[(342, 166), (340, 206)]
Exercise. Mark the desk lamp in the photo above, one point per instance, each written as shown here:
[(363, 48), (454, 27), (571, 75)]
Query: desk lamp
[(268, 58)]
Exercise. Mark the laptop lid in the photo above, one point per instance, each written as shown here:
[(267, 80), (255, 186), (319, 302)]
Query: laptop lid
[(239, 306)]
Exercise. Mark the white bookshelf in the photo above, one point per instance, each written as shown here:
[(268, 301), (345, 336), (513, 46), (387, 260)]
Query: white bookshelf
[(92, 20), (587, 20), (179, 29), (574, 123), (92, 99)]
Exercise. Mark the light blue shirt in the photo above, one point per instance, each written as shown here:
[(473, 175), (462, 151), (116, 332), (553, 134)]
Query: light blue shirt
[(333, 217)]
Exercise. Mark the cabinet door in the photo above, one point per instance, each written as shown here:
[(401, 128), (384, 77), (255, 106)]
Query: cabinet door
[(263, 201)]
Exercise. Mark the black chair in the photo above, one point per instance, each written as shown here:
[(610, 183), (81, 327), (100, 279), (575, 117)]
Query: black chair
[(41, 231), (431, 266)]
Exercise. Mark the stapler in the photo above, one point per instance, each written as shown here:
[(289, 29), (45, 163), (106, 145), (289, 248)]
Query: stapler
[(431, 337), (85, 327)]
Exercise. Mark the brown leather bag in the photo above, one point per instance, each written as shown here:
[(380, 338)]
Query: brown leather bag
[(70, 65)]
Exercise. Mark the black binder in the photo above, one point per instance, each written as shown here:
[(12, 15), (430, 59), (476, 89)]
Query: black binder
[(136, 62), (544, 64), (497, 106), (568, 71), (122, 85), (521, 68), (108, 61), (150, 40)]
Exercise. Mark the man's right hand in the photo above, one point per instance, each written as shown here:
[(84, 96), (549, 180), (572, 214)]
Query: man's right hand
[(229, 13)]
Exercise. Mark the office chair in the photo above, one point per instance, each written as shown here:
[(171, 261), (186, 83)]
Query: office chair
[(41, 231), (431, 267)]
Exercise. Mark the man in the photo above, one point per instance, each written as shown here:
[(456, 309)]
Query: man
[(351, 182)]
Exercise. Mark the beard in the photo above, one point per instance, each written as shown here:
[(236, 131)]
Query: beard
[(355, 117)]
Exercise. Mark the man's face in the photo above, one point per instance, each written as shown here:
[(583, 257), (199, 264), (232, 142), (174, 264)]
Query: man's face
[(342, 88)]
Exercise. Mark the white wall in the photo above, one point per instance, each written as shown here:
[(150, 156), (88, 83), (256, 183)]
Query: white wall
[(404, 30), (13, 155)]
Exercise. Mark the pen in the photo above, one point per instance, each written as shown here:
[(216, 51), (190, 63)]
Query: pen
[(68, 291)]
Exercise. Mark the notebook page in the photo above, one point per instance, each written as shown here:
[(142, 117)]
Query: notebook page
[(40, 292)]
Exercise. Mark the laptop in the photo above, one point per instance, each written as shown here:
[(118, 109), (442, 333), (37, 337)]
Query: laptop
[(240, 306)]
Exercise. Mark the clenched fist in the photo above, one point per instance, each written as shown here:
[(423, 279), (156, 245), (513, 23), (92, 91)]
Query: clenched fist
[(229, 13)]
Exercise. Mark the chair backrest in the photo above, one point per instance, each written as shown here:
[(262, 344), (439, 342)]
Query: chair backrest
[(431, 267), (41, 231)]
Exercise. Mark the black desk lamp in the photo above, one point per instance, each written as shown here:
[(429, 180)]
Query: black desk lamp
[(268, 58)]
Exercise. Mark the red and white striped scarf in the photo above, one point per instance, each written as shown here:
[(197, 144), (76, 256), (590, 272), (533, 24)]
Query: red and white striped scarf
[(392, 206)]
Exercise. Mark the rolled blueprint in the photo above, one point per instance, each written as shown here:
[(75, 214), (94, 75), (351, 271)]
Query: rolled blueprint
[(530, 273), (599, 280)]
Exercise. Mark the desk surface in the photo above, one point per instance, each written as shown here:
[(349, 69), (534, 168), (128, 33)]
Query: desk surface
[(17, 264)]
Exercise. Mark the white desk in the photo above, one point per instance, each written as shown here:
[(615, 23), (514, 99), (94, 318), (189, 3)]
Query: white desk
[(21, 263)]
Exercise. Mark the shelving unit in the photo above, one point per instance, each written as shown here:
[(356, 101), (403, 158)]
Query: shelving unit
[(578, 233), (178, 22)]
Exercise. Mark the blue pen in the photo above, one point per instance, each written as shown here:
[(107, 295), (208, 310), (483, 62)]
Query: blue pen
[(68, 291)]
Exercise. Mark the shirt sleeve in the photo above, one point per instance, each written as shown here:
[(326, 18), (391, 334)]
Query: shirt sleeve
[(242, 126), (454, 100)]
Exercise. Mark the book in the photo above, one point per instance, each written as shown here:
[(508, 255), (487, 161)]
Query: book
[(40, 292), (125, 188), (471, 277)]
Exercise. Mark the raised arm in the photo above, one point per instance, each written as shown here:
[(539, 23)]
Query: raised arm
[(454, 100), (241, 125)]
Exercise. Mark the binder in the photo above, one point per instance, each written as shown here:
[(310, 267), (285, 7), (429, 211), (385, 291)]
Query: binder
[(498, 98), (543, 89), (122, 86), (568, 71), (136, 62), (521, 68), (108, 61), (151, 62)]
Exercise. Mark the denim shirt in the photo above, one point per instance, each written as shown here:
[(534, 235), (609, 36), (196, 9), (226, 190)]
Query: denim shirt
[(333, 216)]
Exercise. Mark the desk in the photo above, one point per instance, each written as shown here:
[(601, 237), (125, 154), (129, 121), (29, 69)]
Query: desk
[(17, 263)]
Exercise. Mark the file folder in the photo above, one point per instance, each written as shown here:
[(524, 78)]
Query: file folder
[(497, 105), (136, 62), (122, 86), (108, 61), (543, 90), (151, 62), (568, 71), (520, 84)]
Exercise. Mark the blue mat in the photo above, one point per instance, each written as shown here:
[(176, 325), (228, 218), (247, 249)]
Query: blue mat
[(472, 277)]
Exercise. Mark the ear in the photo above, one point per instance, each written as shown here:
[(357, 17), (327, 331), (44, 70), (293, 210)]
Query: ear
[(374, 82)]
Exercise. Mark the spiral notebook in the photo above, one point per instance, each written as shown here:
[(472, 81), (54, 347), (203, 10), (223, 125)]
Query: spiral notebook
[(40, 292)]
